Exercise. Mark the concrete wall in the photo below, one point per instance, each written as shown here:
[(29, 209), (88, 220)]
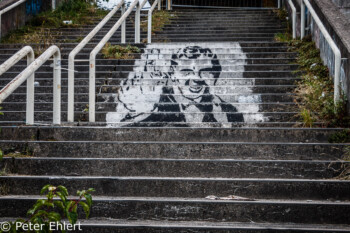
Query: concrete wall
[(18, 16), (338, 26)]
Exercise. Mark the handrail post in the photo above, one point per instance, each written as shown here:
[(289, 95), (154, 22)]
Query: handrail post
[(302, 13), (57, 88), (149, 33), (137, 23), (294, 18), (92, 88), (169, 5), (30, 92), (53, 5), (159, 5), (279, 4), (123, 40)]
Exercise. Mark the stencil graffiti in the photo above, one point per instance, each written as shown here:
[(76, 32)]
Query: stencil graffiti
[(186, 85), (110, 4), (33, 7)]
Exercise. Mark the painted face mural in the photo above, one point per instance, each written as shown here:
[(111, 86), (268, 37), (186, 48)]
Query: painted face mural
[(187, 85)]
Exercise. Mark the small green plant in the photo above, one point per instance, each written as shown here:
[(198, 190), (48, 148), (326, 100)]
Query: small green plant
[(307, 118), (51, 211), (340, 137), (119, 52), (283, 37), (159, 20)]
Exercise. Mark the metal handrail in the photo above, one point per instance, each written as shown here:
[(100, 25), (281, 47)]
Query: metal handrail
[(16, 4), (28, 74), (97, 49), (78, 48), (9, 8), (29, 52), (336, 50), (150, 11)]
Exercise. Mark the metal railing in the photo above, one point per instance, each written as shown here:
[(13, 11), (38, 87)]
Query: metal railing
[(294, 18), (28, 74), (150, 11), (79, 47), (98, 48), (121, 22), (327, 36), (17, 4), (8, 9)]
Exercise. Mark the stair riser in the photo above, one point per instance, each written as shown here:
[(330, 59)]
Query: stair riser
[(169, 117), (110, 81), (111, 107), (227, 68), (177, 150), (216, 90), (171, 168), (168, 134), (39, 97), (218, 211)]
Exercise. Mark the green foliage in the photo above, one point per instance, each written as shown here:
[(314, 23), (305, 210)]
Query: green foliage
[(282, 14), (119, 52), (315, 91), (283, 37), (307, 118), (55, 207), (80, 12), (340, 137), (159, 20)]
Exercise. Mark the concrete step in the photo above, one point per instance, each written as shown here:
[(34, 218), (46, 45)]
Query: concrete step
[(275, 169), (104, 225), (215, 90), (111, 107), (93, 133), (136, 68), (83, 97), (126, 74), (91, 45), (165, 117), (154, 81), (178, 150), (188, 187)]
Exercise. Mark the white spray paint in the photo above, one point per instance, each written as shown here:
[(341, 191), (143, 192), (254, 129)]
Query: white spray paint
[(141, 91)]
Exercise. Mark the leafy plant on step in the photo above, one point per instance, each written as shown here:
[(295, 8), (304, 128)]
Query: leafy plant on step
[(56, 207), (159, 20), (119, 52)]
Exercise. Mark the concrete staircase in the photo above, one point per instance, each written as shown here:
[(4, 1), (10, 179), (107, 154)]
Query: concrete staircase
[(208, 113)]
